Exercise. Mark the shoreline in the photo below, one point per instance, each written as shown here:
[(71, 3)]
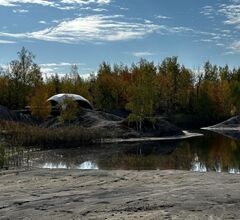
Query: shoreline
[(186, 135), (222, 129), (74, 194), (230, 132)]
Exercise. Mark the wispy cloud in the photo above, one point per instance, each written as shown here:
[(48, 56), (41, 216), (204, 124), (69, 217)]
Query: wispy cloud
[(57, 65), (20, 11), (7, 42), (99, 9), (11, 3), (162, 17), (235, 47), (42, 22), (207, 10), (62, 4), (124, 8), (227, 16), (142, 54), (91, 28), (231, 12), (206, 40), (102, 28), (85, 2), (49, 69)]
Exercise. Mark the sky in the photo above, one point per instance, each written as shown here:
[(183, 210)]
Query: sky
[(87, 32)]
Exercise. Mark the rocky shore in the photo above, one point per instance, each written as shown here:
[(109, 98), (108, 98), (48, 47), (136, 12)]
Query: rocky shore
[(229, 128), (88, 126), (74, 194)]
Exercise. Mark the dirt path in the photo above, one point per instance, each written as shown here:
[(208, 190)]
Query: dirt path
[(74, 194)]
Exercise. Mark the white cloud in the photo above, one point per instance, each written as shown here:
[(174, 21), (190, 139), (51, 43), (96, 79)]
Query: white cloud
[(208, 11), (100, 28), (62, 4), (162, 17), (228, 53), (142, 54), (124, 9), (231, 12), (42, 22), (57, 65), (182, 29), (20, 11), (206, 40), (235, 47), (91, 28), (49, 69), (220, 45), (7, 42), (99, 9), (85, 2), (17, 2)]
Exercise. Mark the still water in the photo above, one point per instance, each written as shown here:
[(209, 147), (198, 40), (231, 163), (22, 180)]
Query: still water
[(211, 152)]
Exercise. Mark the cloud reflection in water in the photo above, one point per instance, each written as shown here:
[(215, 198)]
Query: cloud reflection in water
[(87, 165)]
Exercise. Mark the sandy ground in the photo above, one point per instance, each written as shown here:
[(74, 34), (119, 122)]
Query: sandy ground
[(74, 194)]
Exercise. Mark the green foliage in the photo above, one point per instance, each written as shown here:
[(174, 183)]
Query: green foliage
[(211, 72), (69, 109), (235, 96), (143, 90), (143, 95), (40, 108), (108, 89), (18, 134), (2, 156), (24, 75)]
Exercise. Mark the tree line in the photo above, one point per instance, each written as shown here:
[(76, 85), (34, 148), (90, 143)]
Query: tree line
[(141, 90)]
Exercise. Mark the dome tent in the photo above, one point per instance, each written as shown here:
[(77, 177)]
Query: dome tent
[(59, 98)]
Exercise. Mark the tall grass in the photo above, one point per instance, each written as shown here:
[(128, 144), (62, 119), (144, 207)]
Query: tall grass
[(18, 134), (11, 156)]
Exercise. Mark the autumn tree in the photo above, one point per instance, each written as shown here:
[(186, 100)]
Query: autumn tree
[(143, 96), (40, 107), (186, 90), (107, 89), (4, 88), (24, 75), (68, 110), (235, 97), (170, 71), (53, 84)]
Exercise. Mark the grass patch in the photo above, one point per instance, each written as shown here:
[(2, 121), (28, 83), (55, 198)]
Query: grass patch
[(18, 134)]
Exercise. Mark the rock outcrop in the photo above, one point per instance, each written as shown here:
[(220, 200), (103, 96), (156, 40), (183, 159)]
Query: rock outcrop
[(229, 128), (110, 125)]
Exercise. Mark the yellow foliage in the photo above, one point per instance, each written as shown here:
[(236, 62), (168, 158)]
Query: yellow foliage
[(40, 108), (69, 110)]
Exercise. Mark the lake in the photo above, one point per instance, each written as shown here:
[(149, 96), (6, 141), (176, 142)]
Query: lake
[(211, 152)]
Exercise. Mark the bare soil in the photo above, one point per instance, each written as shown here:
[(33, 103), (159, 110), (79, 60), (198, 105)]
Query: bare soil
[(76, 194)]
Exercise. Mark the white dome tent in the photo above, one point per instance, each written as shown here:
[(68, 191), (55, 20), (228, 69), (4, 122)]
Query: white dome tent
[(59, 99)]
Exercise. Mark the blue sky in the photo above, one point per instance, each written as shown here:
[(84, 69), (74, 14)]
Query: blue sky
[(87, 32)]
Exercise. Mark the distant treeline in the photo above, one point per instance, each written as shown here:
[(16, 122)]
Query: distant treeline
[(143, 90)]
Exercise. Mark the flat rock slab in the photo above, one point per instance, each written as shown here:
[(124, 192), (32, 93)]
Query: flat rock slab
[(75, 194)]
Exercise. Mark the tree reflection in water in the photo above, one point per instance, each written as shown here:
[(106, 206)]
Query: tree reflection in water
[(212, 152)]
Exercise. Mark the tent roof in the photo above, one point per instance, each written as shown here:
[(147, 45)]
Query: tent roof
[(61, 97)]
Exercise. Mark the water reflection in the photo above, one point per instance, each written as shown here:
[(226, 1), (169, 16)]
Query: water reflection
[(87, 165), (234, 171), (197, 166), (212, 152), (54, 166), (218, 167)]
